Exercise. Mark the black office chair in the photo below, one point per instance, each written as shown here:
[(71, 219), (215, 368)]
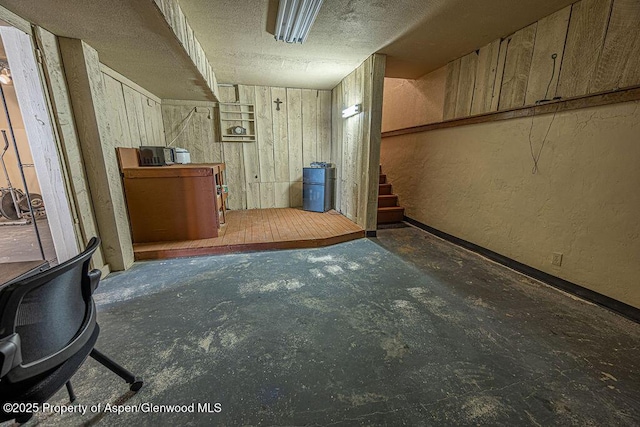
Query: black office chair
[(47, 329)]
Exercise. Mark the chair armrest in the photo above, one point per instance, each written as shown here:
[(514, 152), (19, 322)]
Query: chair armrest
[(94, 279), (10, 355)]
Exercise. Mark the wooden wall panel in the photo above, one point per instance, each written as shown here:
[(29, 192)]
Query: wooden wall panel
[(266, 173), (267, 195), (355, 144), (253, 195), (550, 39), (451, 89), (87, 93), (361, 134), (596, 45), (587, 29), (251, 157), (309, 126), (233, 157), (497, 86), (282, 194), (466, 84), (485, 77), (117, 112), (152, 112), (619, 62), (295, 194), (517, 68), (264, 130), (324, 131), (378, 68), (280, 134), (294, 135), (63, 112), (337, 104)]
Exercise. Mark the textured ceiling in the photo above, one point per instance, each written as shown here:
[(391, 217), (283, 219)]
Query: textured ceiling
[(130, 36), (417, 35)]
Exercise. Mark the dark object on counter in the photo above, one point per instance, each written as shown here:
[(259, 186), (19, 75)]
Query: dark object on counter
[(156, 156)]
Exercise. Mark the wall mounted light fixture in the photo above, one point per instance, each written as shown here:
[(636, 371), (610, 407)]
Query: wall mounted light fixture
[(351, 111), (295, 18)]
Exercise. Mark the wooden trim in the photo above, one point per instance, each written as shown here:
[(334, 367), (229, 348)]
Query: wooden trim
[(145, 255), (125, 81), (17, 21), (614, 305), (188, 103), (576, 103)]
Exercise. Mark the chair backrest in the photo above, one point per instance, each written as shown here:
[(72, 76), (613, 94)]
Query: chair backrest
[(52, 313)]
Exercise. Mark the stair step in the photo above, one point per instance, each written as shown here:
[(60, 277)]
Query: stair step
[(390, 215), (383, 179), (386, 201), (384, 189)]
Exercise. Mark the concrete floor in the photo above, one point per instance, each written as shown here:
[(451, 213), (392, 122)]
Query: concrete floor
[(401, 330), (20, 242)]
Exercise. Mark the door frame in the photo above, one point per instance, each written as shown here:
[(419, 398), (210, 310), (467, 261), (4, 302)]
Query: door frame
[(30, 91)]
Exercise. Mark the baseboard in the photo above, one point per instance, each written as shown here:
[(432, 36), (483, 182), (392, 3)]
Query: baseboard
[(371, 233), (619, 307)]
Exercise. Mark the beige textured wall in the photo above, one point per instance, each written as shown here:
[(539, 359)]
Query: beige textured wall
[(475, 182), (409, 103)]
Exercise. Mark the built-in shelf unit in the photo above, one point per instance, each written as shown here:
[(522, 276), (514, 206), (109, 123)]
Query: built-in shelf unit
[(237, 122)]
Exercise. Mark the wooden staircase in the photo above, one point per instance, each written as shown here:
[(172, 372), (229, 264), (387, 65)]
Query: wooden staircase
[(388, 210)]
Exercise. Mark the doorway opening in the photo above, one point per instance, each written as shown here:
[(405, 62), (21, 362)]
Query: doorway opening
[(24, 229)]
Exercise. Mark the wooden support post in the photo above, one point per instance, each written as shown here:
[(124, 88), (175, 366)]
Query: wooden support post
[(84, 79)]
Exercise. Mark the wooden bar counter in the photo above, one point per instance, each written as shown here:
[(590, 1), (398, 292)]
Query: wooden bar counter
[(173, 203)]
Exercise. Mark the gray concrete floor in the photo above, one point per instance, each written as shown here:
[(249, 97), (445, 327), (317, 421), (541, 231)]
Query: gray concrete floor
[(20, 243), (401, 330)]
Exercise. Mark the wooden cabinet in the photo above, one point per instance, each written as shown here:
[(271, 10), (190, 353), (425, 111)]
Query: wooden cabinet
[(173, 203)]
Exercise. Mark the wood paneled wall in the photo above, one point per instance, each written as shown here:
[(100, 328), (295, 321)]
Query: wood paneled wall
[(588, 47), (93, 120), (80, 199), (266, 173), (134, 115), (174, 16), (356, 141)]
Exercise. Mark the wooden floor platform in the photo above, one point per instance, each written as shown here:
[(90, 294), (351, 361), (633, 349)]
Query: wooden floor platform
[(261, 229)]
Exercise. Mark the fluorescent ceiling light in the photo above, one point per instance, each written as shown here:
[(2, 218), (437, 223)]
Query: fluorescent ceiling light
[(351, 111), (295, 18)]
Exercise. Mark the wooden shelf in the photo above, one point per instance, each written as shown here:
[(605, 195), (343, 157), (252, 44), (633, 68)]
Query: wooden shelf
[(246, 120)]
